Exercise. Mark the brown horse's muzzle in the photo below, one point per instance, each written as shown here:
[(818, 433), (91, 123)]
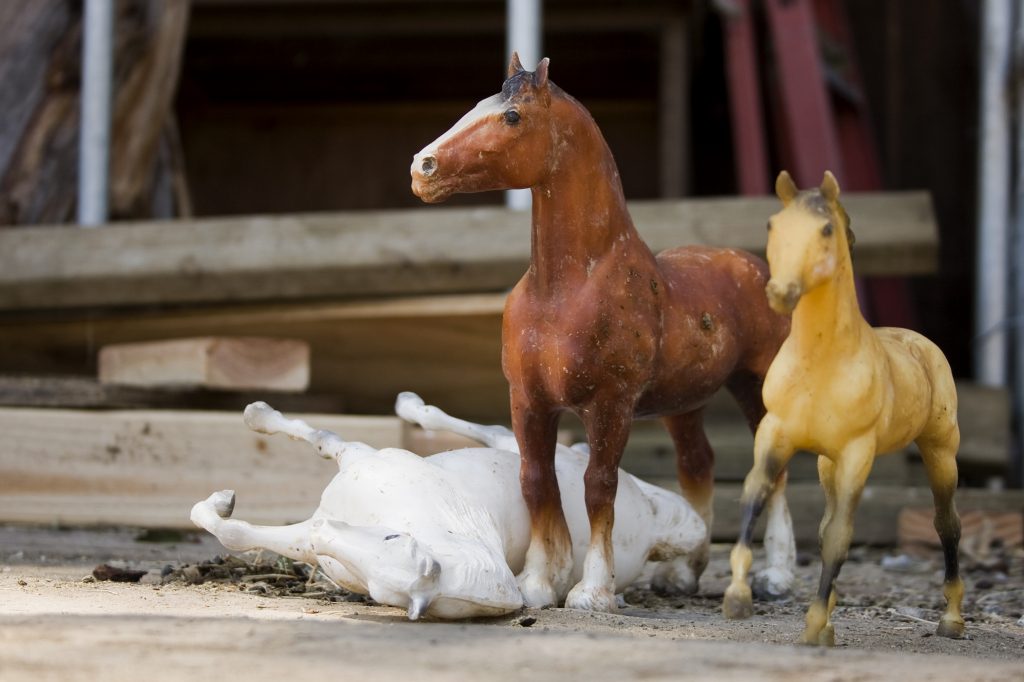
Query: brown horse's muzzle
[(783, 297), (424, 184)]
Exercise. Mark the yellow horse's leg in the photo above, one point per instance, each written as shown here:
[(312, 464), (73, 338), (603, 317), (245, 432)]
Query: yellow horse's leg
[(772, 452), (940, 463), (843, 481)]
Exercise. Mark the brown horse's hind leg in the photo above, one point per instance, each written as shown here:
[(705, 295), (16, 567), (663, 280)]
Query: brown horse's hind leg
[(940, 463), (695, 467), (607, 423), (772, 451), (546, 571)]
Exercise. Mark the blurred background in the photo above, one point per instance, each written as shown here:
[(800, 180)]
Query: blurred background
[(271, 141)]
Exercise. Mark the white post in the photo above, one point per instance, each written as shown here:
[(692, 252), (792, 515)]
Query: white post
[(523, 34), (94, 133), (994, 154), (1018, 260)]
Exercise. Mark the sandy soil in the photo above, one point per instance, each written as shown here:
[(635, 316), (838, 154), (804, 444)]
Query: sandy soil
[(55, 626)]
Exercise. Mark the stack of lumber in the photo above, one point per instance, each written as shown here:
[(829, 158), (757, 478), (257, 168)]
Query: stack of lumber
[(384, 302)]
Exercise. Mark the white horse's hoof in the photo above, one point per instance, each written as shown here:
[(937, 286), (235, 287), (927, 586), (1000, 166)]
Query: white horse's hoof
[(537, 592), (673, 578), (591, 598), (223, 503), (773, 584)]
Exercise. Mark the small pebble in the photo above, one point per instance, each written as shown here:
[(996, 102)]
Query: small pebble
[(527, 621), (983, 584)]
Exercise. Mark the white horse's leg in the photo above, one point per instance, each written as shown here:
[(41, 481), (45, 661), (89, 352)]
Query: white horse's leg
[(262, 418), (411, 408), (395, 569), (239, 536), (775, 581)]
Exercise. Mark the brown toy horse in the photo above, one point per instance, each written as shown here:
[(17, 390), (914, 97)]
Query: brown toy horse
[(601, 327)]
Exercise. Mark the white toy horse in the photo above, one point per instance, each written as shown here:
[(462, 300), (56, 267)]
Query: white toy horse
[(445, 535)]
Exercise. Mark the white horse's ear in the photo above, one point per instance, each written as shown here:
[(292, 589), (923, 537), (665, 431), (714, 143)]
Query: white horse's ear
[(514, 65), (785, 188), (540, 76), (829, 187)]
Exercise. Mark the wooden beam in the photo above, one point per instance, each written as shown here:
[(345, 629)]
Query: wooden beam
[(877, 514), (447, 348), (148, 467), (359, 254), (225, 363), (88, 393)]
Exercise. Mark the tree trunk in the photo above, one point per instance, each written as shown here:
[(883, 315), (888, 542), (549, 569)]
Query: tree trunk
[(40, 73)]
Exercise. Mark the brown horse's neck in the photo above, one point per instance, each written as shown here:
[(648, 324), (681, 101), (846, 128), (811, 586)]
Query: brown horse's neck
[(827, 321), (579, 210)]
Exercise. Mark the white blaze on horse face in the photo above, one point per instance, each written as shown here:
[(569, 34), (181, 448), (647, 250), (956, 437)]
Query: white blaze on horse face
[(492, 106)]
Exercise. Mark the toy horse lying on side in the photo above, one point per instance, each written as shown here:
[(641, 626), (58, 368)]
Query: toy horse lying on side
[(444, 535), (847, 392)]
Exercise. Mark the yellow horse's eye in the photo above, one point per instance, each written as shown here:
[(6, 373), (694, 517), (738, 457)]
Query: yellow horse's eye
[(827, 230), (769, 226)]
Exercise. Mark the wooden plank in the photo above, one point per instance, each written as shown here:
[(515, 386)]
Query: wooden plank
[(225, 363), (984, 416), (978, 529), (88, 393), (149, 467), (419, 251), (447, 349), (876, 520)]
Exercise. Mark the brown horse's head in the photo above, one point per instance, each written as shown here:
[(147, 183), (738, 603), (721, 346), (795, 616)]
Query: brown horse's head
[(495, 146), (807, 240)]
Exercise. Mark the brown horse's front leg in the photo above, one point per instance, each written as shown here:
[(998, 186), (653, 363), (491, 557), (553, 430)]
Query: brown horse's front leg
[(607, 424), (546, 572)]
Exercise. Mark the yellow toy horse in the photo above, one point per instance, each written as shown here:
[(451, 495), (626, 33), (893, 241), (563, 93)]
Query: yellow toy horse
[(848, 392)]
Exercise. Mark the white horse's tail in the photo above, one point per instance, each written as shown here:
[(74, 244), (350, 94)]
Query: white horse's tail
[(262, 418)]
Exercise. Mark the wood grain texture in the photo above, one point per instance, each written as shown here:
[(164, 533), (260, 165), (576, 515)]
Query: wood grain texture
[(420, 251), (148, 467), (224, 363)]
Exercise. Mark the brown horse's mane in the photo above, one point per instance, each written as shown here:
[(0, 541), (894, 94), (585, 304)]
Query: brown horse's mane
[(811, 200)]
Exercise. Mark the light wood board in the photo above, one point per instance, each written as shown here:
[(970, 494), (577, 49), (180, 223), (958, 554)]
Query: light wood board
[(374, 253), (226, 363)]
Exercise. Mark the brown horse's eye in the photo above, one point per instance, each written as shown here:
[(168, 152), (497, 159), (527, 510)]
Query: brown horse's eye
[(827, 230), (511, 117)]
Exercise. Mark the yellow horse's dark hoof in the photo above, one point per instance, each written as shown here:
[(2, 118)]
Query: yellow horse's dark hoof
[(948, 627), (737, 603), (824, 637)]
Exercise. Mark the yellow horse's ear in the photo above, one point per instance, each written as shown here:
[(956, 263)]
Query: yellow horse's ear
[(514, 65), (829, 187), (785, 188)]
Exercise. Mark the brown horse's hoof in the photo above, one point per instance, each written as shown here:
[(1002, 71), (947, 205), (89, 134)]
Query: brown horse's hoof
[(824, 637), (950, 627), (737, 603)]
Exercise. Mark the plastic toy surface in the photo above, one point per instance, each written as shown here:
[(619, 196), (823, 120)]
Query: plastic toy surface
[(847, 392), (601, 327), (444, 535)]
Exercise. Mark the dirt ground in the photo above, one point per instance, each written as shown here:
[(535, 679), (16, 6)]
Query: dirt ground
[(58, 624)]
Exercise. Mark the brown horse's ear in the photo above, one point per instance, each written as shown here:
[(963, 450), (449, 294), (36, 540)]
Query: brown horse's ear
[(540, 76), (829, 187), (514, 65), (785, 188)]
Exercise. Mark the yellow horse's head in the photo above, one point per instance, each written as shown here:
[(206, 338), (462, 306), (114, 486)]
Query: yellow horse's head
[(807, 240)]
